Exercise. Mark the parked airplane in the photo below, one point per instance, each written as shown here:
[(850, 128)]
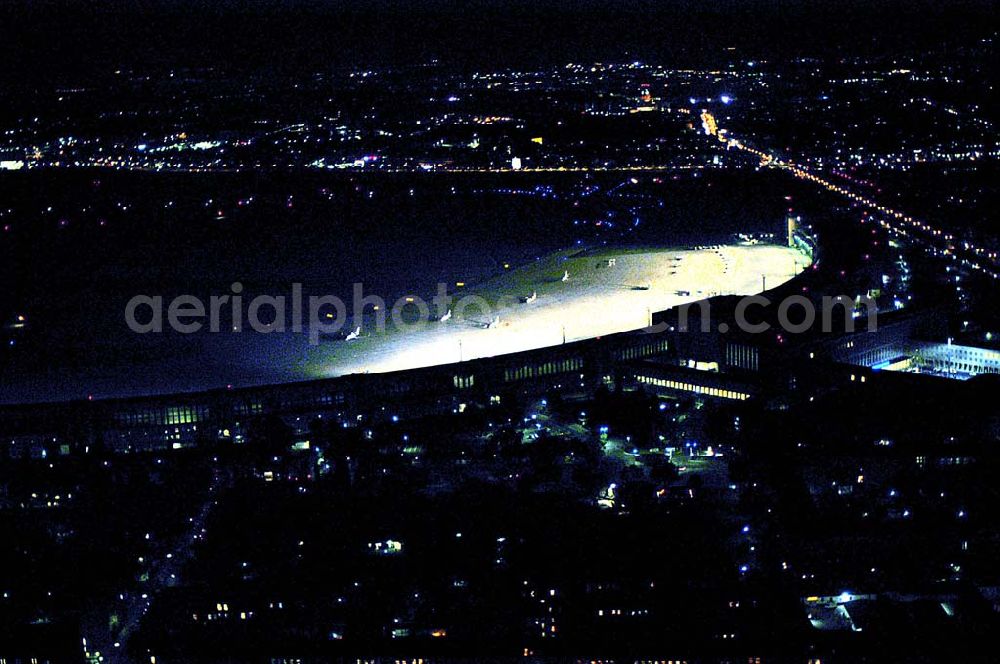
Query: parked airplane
[(353, 335), (530, 298), (565, 276), (445, 317)]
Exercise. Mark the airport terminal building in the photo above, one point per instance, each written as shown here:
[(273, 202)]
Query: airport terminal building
[(731, 367)]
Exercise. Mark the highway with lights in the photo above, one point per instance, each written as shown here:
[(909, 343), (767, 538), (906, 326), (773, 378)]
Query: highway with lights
[(898, 223)]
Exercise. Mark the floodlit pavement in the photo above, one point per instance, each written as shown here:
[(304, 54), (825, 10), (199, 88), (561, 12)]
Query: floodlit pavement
[(597, 299)]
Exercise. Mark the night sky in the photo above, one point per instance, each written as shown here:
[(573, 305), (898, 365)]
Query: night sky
[(64, 39)]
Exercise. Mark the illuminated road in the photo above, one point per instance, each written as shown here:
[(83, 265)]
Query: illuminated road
[(896, 222), (110, 623)]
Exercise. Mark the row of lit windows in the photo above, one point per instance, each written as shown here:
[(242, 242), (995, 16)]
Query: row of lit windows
[(395, 387), (544, 369), (744, 357), (464, 382), (248, 408), (186, 415), (307, 400), (194, 414), (967, 367), (644, 350), (974, 354), (622, 612), (947, 461), (697, 389), (160, 417)]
